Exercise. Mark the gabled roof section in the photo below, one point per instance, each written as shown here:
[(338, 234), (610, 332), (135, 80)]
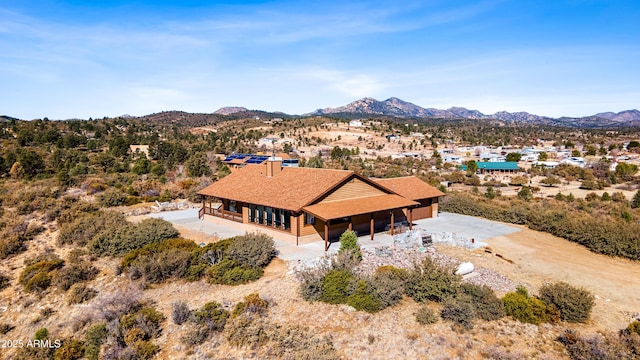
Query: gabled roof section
[(290, 189), (410, 187), (351, 207)]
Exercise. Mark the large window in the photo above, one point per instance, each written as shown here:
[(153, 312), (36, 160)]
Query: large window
[(233, 207)]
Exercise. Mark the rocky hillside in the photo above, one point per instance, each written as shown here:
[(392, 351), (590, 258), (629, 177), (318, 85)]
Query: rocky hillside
[(403, 109)]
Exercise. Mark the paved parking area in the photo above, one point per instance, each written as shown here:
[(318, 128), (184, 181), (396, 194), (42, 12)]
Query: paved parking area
[(462, 225), (466, 226)]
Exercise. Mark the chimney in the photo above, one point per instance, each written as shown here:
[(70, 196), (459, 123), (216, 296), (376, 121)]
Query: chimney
[(274, 166)]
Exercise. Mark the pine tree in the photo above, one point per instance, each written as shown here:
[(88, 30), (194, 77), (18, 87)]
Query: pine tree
[(635, 202)]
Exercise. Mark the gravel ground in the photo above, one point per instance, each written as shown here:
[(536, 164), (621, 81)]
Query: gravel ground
[(403, 257)]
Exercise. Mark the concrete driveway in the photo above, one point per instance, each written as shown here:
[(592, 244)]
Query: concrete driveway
[(462, 225)]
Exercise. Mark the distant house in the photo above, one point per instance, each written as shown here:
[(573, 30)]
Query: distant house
[(143, 149), (490, 167), (547, 164), (355, 123), (240, 160), (306, 204), (575, 161)]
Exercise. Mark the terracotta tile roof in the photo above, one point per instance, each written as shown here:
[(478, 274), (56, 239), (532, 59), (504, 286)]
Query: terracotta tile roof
[(410, 187), (290, 189), (343, 208)]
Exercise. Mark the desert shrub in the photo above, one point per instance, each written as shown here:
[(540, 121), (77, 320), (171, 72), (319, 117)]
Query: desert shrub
[(112, 197), (120, 240), (231, 272), (311, 283), (487, 306), (79, 293), (212, 315), (147, 319), (71, 274), (605, 346), (94, 337), (460, 312), (145, 349), (349, 244), (634, 327), (243, 331), (525, 308), (180, 312), (11, 244), (426, 316), (70, 350), (5, 328), (158, 267), (41, 334), (574, 304), (252, 304), (286, 342), (195, 334), (4, 282), (389, 284), (363, 298), (428, 281), (36, 277), (252, 249), (80, 230), (335, 286)]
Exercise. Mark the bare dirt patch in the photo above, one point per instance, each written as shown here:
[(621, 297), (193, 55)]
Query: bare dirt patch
[(539, 257)]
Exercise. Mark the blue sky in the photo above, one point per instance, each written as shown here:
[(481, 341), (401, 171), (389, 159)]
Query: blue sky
[(81, 59)]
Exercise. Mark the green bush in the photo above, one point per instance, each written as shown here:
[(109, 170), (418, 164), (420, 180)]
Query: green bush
[(460, 312), (36, 277), (428, 281), (363, 298), (118, 241), (524, 308), (574, 304), (146, 319), (487, 306), (11, 244), (112, 197), (389, 284), (231, 272), (211, 314), (335, 286), (86, 226), (426, 316), (79, 293), (145, 350), (71, 274), (252, 304), (94, 337), (70, 350), (41, 334), (349, 244), (252, 249)]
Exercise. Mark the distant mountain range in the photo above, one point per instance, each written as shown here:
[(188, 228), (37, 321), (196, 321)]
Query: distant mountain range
[(400, 108)]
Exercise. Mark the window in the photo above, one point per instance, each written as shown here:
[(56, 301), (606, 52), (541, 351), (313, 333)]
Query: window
[(309, 219), (233, 206)]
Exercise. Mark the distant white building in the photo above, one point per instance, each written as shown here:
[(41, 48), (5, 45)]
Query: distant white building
[(355, 123), (453, 159), (547, 164), (575, 161)]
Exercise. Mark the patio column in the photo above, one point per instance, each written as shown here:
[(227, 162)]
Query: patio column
[(410, 219), (392, 222), (350, 223), (326, 235), (371, 226)]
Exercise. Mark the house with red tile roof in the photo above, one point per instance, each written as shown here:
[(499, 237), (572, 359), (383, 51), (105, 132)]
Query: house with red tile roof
[(308, 204)]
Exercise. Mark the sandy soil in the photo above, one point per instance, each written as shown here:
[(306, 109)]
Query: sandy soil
[(539, 257)]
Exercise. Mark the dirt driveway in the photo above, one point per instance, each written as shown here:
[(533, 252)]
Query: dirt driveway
[(539, 257)]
